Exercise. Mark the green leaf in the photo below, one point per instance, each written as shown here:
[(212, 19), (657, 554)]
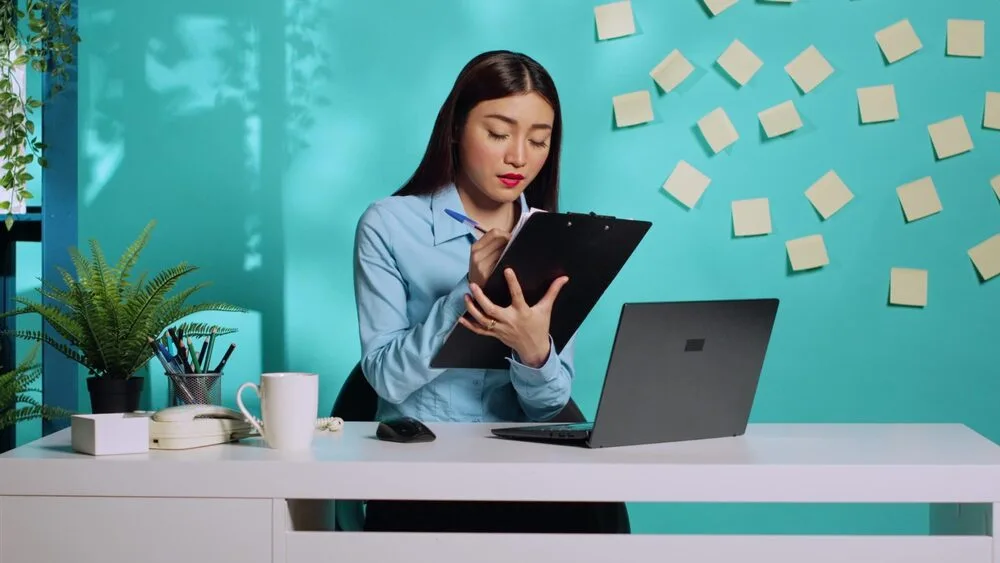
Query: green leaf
[(9, 221), (5, 205), (20, 396)]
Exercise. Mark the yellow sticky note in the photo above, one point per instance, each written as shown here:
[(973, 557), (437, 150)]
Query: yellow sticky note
[(829, 194), (751, 217), (780, 119), (686, 184), (671, 71), (614, 20), (718, 6), (739, 62), (898, 41), (878, 103), (991, 111), (908, 286), (986, 257), (966, 38), (633, 108), (717, 130), (808, 69), (919, 199), (950, 137), (995, 183), (807, 253)]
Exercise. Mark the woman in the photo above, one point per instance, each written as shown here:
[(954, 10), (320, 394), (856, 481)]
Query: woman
[(492, 155), (493, 152)]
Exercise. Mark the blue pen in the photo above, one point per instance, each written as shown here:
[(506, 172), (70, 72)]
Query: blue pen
[(170, 359), (464, 220), (158, 351)]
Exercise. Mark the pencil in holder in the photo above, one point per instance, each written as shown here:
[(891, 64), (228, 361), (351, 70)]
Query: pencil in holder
[(194, 389)]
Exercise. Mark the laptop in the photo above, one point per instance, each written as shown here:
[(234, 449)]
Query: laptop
[(678, 371)]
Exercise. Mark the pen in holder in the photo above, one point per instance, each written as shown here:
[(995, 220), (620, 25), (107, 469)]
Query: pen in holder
[(190, 381), (194, 389)]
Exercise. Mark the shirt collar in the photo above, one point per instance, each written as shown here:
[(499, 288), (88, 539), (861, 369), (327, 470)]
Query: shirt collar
[(445, 227)]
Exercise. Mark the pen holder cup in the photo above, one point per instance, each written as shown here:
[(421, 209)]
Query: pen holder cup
[(194, 389)]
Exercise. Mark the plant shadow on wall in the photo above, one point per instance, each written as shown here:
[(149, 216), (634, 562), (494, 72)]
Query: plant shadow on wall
[(110, 319), (190, 113)]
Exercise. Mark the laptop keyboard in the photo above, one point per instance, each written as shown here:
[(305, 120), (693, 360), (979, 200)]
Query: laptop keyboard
[(570, 426)]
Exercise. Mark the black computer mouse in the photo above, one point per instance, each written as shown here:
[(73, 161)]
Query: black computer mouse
[(404, 429)]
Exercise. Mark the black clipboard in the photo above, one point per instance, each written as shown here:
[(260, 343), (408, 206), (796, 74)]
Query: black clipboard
[(591, 249)]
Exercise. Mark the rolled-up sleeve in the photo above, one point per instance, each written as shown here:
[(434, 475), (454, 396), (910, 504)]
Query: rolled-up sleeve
[(395, 354), (545, 390)]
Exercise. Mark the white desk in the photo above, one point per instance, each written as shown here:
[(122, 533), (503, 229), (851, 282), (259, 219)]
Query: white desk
[(229, 503)]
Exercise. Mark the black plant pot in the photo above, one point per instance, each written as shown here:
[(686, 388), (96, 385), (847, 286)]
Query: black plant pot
[(114, 395)]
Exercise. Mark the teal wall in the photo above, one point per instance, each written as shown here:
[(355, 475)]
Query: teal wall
[(257, 135)]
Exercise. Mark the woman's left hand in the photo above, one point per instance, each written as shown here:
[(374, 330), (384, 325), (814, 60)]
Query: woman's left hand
[(522, 327)]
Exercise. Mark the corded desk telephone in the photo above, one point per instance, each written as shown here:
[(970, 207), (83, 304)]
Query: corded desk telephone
[(194, 426)]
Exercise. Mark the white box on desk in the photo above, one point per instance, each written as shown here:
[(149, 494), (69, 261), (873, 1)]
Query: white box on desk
[(109, 434)]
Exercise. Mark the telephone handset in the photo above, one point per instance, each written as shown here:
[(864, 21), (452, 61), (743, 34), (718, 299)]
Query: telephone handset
[(194, 426), (187, 413)]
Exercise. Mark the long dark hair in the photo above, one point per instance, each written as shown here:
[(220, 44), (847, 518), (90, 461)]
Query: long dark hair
[(488, 76)]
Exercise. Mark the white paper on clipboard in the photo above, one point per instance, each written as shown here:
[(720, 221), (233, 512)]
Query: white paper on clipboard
[(517, 228)]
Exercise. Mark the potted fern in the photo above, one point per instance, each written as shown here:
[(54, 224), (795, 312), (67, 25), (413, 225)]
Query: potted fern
[(106, 319), (17, 401)]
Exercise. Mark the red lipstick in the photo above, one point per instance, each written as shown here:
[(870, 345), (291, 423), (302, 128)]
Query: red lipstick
[(510, 180)]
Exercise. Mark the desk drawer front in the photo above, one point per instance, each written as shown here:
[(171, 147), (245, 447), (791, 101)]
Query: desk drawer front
[(150, 530), (349, 547)]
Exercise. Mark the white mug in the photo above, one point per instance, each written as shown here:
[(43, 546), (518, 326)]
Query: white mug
[(289, 402)]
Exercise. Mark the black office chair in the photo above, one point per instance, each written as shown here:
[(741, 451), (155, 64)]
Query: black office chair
[(357, 401)]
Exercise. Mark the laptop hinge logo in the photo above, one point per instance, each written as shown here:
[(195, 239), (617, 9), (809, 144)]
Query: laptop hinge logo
[(694, 345)]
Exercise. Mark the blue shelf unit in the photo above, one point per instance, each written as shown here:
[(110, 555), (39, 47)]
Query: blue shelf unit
[(53, 224)]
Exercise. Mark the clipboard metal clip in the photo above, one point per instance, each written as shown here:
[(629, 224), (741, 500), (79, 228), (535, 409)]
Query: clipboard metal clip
[(591, 214)]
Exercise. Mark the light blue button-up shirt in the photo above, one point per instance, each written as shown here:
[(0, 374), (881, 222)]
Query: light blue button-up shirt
[(411, 264)]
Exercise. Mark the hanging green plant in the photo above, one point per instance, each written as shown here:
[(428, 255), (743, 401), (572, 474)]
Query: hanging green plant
[(38, 36)]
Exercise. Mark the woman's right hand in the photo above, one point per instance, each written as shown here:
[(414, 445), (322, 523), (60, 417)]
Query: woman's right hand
[(485, 254)]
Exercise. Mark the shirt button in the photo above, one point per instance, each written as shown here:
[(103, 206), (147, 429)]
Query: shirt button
[(478, 382)]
